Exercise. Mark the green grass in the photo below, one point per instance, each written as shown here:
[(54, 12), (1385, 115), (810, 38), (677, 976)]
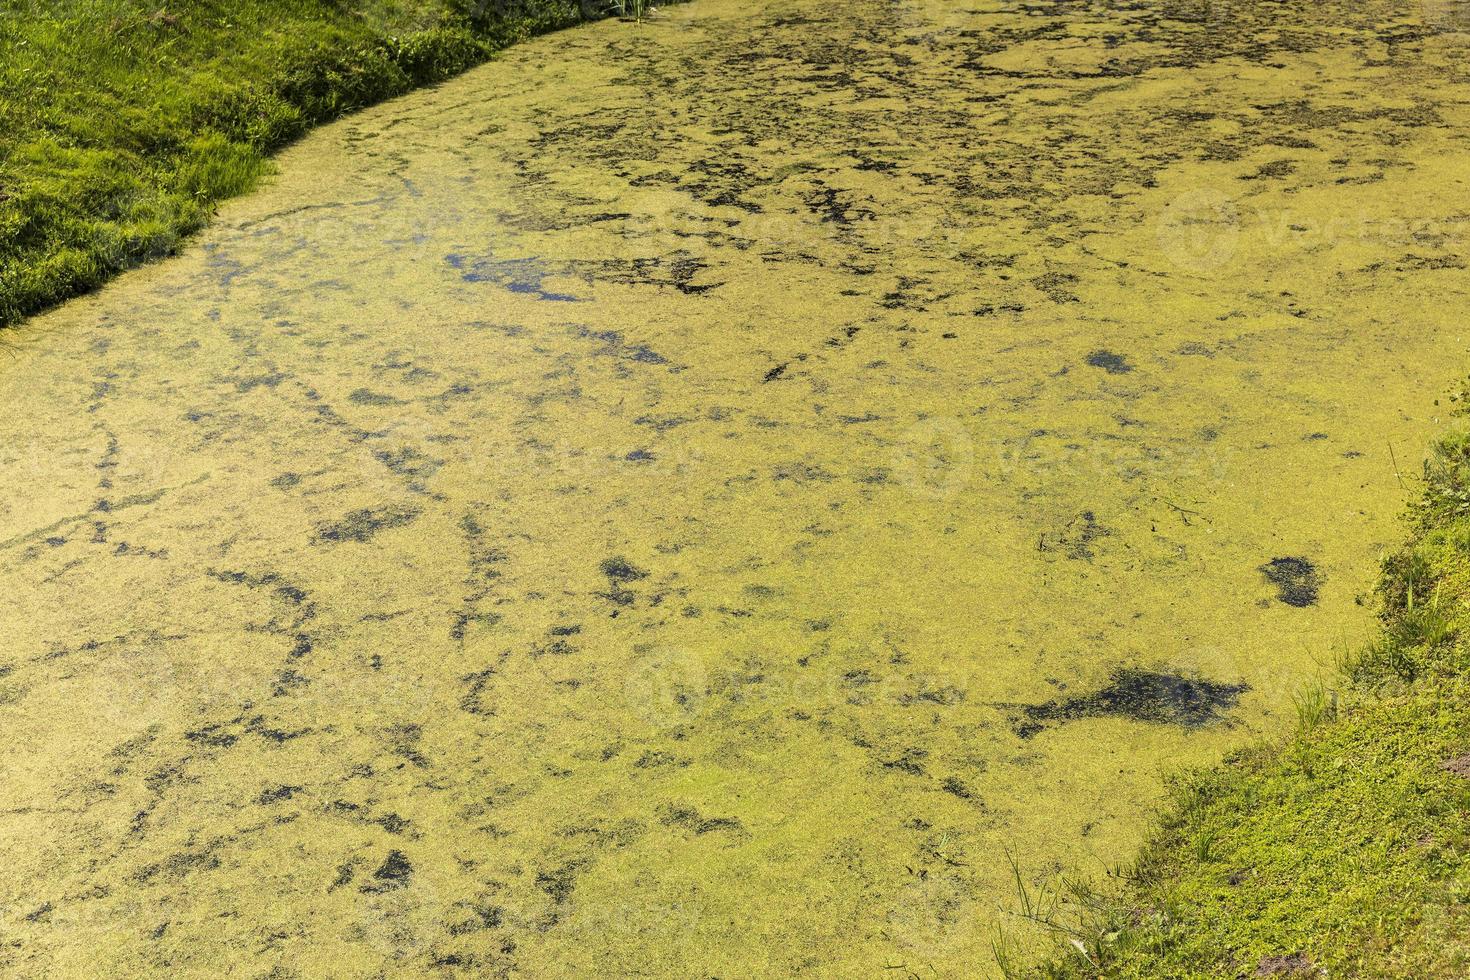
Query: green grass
[(633, 8), (123, 122), (1342, 850)]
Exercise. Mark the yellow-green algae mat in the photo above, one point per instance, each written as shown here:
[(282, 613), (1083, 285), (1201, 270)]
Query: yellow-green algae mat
[(690, 498)]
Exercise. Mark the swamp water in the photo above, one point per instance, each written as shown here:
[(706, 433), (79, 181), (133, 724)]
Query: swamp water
[(691, 498)]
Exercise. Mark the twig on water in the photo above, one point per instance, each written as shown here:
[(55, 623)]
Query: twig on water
[(1183, 512)]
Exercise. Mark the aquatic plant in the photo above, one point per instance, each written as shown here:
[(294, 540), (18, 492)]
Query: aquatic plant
[(1315, 704), (1338, 851)]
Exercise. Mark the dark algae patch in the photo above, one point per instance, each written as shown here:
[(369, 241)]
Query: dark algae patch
[(1337, 851), (1142, 695), (619, 570), (1077, 538), (620, 573), (362, 525), (1296, 579), (1109, 362), (690, 819), (394, 872)]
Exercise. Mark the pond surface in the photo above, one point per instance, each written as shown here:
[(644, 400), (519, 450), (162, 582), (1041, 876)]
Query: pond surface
[(701, 498)]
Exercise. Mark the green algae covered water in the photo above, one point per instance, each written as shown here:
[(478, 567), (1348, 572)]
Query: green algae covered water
[(699, 498)]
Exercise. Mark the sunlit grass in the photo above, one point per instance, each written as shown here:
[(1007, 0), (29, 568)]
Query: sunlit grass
[(123, 122), (1339, 851)]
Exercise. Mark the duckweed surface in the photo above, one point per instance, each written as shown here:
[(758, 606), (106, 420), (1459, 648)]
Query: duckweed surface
[(688, 498)]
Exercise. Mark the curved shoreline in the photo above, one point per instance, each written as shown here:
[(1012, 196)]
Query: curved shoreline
[(122, 157), (1339, 850)]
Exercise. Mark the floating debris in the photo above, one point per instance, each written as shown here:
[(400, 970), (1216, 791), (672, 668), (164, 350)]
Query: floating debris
[(1109, 362), (1296, 579), (1142, 695)]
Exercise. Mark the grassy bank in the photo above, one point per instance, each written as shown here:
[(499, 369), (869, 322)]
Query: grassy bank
[(1341, 852), (122, 122)]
